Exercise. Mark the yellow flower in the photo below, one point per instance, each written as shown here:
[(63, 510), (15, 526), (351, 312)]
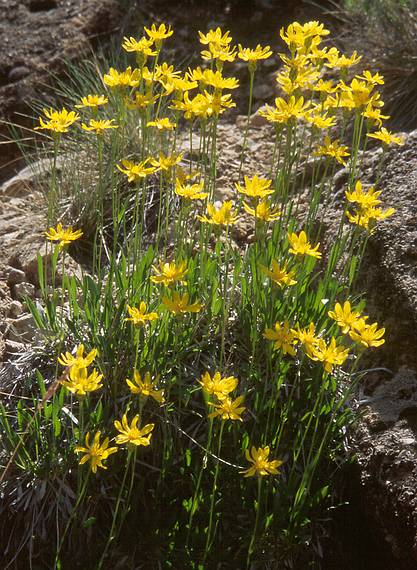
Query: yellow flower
[(136, 171), (330, 355), (283, 337), (386, 137), (127, 78), (364, 199), (357, 95), (131, 434), (159, 34), (376, 79), (215, 36), (341, 61), (213, 103), (96, 452), (218, 386), (79, 360), (179, 304), (223, 216), (228, 409), (301, 246), (333, 149), (285, 111), (146, 387), (190, 191), (374, 115), (261, 466), (63, 235), (99, 126), (167, 162), (280, 275), (255, 187), (93, 101), (169, 273), (139, 316), (58, 121), (220, 52), (368, 335), (297, 35), (368, 216), (253, 55), (143, 46), (345, 317), (80, 382), (262, 211), (307, 337), (213, 78), (140, 101), (163, 124)]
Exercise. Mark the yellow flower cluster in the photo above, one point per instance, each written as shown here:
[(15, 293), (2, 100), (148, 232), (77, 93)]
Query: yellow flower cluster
[(367, 212), (225, 408)]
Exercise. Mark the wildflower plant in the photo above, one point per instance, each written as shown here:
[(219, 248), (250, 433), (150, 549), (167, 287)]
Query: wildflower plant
[(213, 356)]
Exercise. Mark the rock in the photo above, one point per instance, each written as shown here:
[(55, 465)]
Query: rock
[(15, 309), (15, 276), (23, 290), (22, 329), (18, 72)]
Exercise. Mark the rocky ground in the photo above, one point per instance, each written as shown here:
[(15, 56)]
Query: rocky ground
[(385, 441)]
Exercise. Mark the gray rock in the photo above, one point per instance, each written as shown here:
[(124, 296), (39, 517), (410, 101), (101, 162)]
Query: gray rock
[(23, 290), (15, 276)]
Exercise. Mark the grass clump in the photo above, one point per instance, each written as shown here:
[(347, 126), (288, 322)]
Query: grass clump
[(195, 404)]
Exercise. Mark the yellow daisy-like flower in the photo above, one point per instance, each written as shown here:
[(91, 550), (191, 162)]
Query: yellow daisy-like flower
[(163, 124), (99, 126), (345, 317), (279, 275), (255, 187), (386, 137), (330, 355), (58, 121), (261, 465), (301, 246), (376, 79), (127, 78), (79, 360), (140, 101), (374, 115), (223, 216), (283, 337), (62, 235), (213, 78), (219, 52), (218, 386), (92, 101), (368, 335), (143, 46), (131, 434), (367, 217), (307, 338), (253, 55), (95, 452), (167, 162), (215, 36), (136, 171), (139, 316), (333, 149), (179, 304), (169, 273), (365, 199), (263, 211), (190, 191), (228, 409), (146, 386), (81, 383), (157, 34)]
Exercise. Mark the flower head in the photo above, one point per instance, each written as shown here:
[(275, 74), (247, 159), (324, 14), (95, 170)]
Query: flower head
[(63, 235), (136, 171), (81, 383), (163, 124), (255, 187), (261, 466), (307, 338), (228, 409), (99, 126), (333, 149), (58, 121), (179, 304), (139, 316), (223, 216), (283, 337), (95, 452), (330, 355), (368, 335), (280, 274), (345, 317), (142, 47), (167, 162), (92, 101), (301, 246), (131, 434), (127, 78), (169, 273), (386, 137), (190, 191), (254, 55), (365, 199), (145, 386), (157, 34), (218, 386), (263, 211), (215, 36), (79, 360)]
